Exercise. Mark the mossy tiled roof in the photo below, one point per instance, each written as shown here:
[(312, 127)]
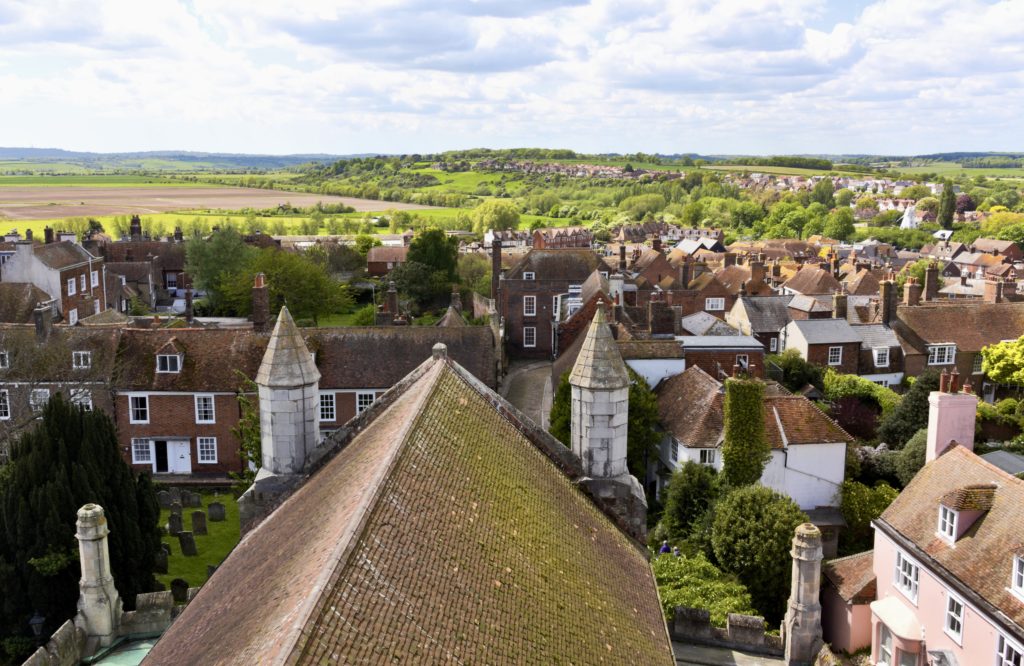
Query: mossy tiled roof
[(442, 533)]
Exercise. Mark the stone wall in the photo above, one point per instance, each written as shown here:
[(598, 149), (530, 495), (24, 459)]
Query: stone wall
[(742, 632), (65, 648)]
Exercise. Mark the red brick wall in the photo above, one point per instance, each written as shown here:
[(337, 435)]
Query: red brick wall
[(710, 361), (173, 417), (83, 299), (818, 354)]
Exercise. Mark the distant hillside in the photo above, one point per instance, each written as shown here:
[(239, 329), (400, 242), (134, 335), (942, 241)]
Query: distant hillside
[(172, 160)]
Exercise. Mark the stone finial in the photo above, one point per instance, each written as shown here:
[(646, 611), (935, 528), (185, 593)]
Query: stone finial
[(802, 624), (99, 605), (599, 364), (287, 361), (439, 351)]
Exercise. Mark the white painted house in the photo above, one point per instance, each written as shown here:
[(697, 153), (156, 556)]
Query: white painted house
[(808, 449)]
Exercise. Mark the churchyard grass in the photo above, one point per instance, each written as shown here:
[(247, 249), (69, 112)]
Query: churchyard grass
[(213, 548)]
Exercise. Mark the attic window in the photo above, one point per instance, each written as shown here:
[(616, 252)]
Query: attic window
[(5, 359), (947, 523), (941, 354), (529, 275), (81, 360), (168, 363), (714, 304), (881, 357)]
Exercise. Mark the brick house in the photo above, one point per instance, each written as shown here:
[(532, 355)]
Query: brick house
[(167, 256), (762, 317), (68, 273), (529, 292), (380, 260), (830, 343), (717, 355), (561, 238)]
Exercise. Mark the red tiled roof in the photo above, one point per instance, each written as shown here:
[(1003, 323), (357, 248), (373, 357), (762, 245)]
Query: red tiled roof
[(813, 280), (62, 255), (388, 254), (853, 577)]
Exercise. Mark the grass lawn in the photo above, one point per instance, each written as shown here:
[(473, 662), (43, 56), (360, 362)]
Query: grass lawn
[(949, 169), (213, 548)]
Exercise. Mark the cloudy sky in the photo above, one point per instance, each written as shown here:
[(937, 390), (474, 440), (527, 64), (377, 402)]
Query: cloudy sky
[(352, 76)]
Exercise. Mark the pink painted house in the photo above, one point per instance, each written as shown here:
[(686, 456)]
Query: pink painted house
[(948, 560)]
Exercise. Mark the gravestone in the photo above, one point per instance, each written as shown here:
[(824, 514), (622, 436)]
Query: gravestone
[(160, 562), (192, 500), (179, 590), (210, 568), (175, 494), (166, 547), (216, 510), (199, 523), (176, 507), (174, 525), (164, 499), (188, 544)]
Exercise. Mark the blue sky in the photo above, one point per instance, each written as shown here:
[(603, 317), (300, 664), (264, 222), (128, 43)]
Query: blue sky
[(346, 76)]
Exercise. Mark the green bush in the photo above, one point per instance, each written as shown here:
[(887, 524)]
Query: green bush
[(695, 582), (860, 505), (745, 448), (840, 386), (691, 493), (910, 459)]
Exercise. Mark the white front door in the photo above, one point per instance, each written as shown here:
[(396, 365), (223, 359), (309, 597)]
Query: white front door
[(180, 456)]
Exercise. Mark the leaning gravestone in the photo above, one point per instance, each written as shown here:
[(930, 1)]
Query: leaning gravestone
[(188, 544), (176, 508), (160, 562), (216, 510), (199, 523), (174, 525), (179, 590), (164, 499)]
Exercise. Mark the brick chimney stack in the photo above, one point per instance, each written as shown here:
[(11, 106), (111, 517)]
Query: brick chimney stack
[(729, 259), (135, 228), (887, 296), (391, 302), (656, 244), (42, 315), (993, 290), (931, 282), (189, 315), (757, 273), (260, 304), (839, 305), (951, 415), (48, 235), (622, 258), (912, 292)]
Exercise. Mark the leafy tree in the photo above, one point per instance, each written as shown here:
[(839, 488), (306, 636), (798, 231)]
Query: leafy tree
[(690, 494), (838, 386), (745, 449), (751, 535), (797, 372), (418, 282), (860, 505), (474, 271), (824, 193), (212, 262), (642, 204), (964, 203), (434, 248), (843, 197), (916, 270), (364, 242), (695, 582), (247, 432), (560, 416), (947, 206), (910, 459), (839, 224), (1003, 362), (916, 192), (495, 214), (928, 205), (69, 459), (911, 414), (293, 280)]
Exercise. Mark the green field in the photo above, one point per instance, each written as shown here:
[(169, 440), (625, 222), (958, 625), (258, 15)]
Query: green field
[(212, 548), (952, 169), (95, 180), (782, 171)]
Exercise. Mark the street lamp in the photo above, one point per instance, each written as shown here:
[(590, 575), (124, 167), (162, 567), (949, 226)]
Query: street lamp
[(36, 623)]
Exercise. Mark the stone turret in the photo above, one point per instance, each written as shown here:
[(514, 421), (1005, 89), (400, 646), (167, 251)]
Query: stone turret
[(99, 606), (289, 390), (801, 628), (600, 419)]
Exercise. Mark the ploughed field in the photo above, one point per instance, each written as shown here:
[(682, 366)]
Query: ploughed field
[(41, 203)]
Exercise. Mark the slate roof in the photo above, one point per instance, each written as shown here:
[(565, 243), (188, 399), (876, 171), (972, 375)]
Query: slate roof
[(873, 336), (442, 532), (982, 559), (649, 349), (691, 406), (62, 255), (805, 303), (572, 265), (826, 331), (992, 245), (853, 577), (1009, 462), (51, 362), (18, 300), (811, 279), (702, 323), (172, 255), (766, 314), (718, 342), (452, 317), (970, 325)]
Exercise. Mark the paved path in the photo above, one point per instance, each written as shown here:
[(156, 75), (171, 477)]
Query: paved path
[(528, 387), (704, 655)]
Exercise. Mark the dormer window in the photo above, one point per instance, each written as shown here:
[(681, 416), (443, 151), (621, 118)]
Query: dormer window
[(81, 360), (529, 275), (947, 523), (1017, 583), (168, 363), (5, 360)]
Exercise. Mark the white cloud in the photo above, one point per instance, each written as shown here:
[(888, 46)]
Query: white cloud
[(341, 76)]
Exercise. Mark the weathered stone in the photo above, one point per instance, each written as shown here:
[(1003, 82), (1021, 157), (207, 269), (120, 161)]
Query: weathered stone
[(164, 499), (176, 507), (175, 494), (195, 500), (187, 542), (179, 589), (160, 562), (216, 511), (174, 526), (199, 523)]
